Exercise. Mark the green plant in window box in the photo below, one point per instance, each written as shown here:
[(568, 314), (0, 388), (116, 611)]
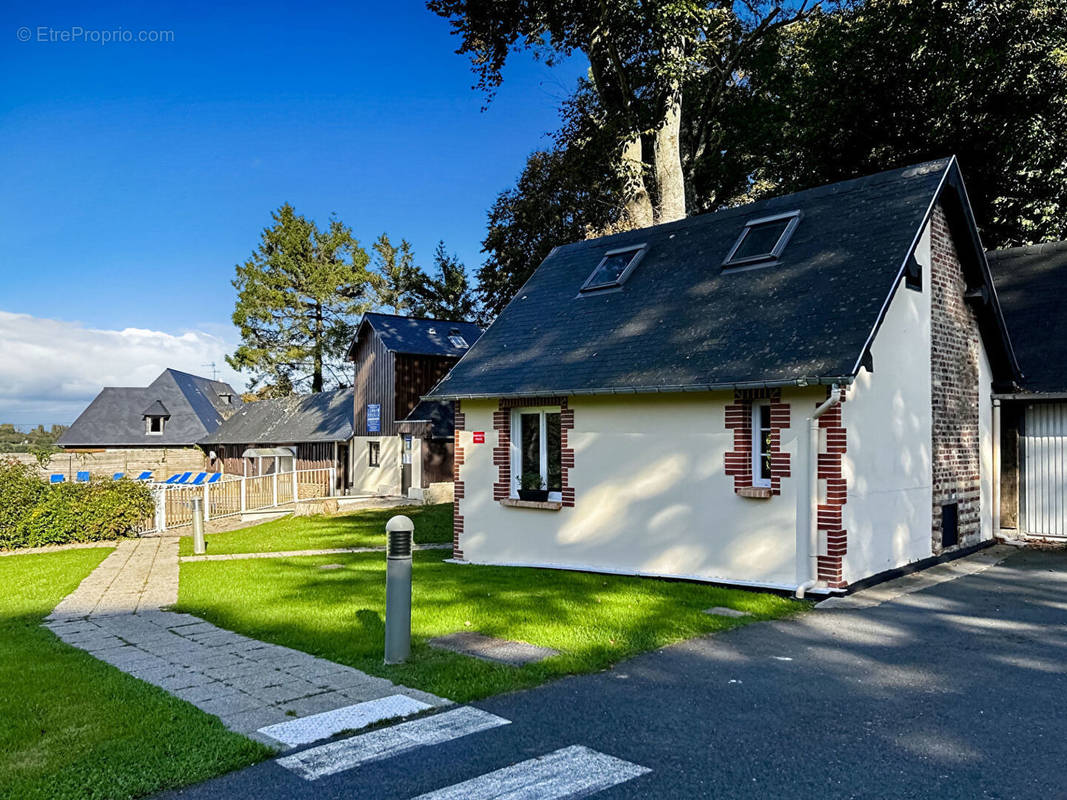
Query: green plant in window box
[(532, 487)]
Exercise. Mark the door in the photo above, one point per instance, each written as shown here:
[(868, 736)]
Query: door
[(405, 465), (1043, 501), (342, 467)]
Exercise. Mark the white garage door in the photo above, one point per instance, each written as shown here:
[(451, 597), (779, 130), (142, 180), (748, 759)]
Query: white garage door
[(1043, 505)]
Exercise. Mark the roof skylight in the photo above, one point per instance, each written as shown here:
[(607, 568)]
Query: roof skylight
[(762, 239), (614, 268)]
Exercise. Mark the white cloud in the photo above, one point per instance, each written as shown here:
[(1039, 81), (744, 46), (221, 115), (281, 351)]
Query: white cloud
[(51, 369)]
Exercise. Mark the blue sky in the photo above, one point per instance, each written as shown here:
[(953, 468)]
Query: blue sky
[(136, 175)]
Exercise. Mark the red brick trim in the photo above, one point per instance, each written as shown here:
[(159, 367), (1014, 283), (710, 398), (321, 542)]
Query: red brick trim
[(831, 565), (739, 420), (954, 349), (502, 451), (459, 486)]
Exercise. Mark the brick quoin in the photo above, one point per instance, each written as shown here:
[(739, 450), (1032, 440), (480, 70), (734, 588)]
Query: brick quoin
[(954, 354), (502, 452), (739, 420), (460, 488), (830, 565)]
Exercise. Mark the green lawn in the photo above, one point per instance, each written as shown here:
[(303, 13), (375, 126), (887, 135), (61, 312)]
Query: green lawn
[(594, 620), (75, 727), (361, 529)]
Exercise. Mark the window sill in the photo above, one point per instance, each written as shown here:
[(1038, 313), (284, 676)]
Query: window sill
[(761, 492), (547, 505)]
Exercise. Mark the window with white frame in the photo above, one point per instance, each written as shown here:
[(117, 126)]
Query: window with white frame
[(154, 425), (374, 454), (537, 448), (761, 444)]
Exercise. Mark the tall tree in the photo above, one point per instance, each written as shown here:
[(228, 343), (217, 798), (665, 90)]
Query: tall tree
[(397, 279), (299, 297), (447, 293), (641, 56), (888, 83)]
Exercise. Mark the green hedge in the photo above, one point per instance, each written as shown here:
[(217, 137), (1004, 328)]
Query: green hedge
[(35, 513)]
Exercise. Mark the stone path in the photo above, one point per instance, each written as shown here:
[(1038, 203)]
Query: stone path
[(291, 553), (117, 615)]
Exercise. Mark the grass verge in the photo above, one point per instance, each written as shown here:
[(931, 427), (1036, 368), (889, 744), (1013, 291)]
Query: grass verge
[(75, 727), (593, 620), (361, 529)]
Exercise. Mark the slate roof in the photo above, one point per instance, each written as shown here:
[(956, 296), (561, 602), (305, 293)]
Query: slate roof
[(115, 418), (1031, 283), (437, 413), (417, 335), (322, 417), (680, 322)]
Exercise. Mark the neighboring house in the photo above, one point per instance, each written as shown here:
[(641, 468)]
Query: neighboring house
[(155, 427), (299, 432), (662, 386), (1032, 286), (403, 445)]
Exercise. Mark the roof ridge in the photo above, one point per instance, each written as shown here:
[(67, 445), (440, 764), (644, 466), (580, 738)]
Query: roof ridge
[(1026, 249), (421, 319)]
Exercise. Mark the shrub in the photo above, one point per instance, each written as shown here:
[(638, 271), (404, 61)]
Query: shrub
[(34, 513)]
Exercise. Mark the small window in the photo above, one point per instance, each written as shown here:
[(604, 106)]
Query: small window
[(761, 445), (913, 275), (537, 448), (614, 268), (154, 425), (458, 341), (374, 454), (762, 239)]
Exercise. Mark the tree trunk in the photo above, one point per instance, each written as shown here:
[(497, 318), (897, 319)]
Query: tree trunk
[(670, 180), (637, 205), (316, 377)]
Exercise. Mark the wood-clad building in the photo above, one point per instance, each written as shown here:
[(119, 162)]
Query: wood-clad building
[(401, 443)]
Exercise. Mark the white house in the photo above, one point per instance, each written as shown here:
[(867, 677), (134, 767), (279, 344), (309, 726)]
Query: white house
[(793, 394)]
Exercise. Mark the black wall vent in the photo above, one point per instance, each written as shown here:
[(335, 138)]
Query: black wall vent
[(950, 525)]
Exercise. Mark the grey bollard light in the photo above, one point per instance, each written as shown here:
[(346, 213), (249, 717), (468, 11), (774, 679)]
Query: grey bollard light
[(199, 546), (398, 532)]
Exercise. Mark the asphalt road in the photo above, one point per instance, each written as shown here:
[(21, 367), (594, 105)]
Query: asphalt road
[(958, 690)]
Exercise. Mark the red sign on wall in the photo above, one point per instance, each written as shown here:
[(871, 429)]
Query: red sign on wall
[(479, 437)]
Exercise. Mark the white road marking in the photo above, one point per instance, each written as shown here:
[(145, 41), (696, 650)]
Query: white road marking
[(329, 759), (568, 773), (306, 730)]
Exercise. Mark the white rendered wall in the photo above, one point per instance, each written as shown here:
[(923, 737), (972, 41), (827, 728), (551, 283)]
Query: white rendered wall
[(651, 495), (889, 422), (384, 479)]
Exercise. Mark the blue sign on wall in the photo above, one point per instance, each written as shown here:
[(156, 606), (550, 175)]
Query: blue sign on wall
[(374, 418)]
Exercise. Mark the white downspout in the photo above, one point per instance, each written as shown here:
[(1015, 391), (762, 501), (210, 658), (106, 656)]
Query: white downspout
[(995, 479), (813, 489)]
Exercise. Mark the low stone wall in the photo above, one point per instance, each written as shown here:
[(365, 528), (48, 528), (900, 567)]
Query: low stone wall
[(439, 492), (163, 461)]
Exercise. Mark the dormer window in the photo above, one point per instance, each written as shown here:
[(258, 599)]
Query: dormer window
[(762, 240), (226, 398), (155, 419), (614, 268)]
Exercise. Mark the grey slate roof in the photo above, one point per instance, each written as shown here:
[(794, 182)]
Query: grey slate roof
[(115, 418), (322, 417), (437, 413), (680, 322), (1031, 283), (419, 336), (157, 409)]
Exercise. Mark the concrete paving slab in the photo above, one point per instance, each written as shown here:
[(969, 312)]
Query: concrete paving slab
[(722, 611), (489, 648)]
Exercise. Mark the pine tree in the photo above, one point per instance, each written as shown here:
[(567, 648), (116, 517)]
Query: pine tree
[(299, 298)]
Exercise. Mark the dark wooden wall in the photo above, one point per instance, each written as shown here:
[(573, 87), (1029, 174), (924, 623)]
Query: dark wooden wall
[(309, 455), (374, 376), (437, 458), (415, 376), (396, 381)]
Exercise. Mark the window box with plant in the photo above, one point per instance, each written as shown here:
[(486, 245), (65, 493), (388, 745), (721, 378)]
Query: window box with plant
[(532, 487)]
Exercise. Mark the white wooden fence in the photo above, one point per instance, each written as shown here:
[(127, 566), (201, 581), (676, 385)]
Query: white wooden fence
[(235, 495)]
